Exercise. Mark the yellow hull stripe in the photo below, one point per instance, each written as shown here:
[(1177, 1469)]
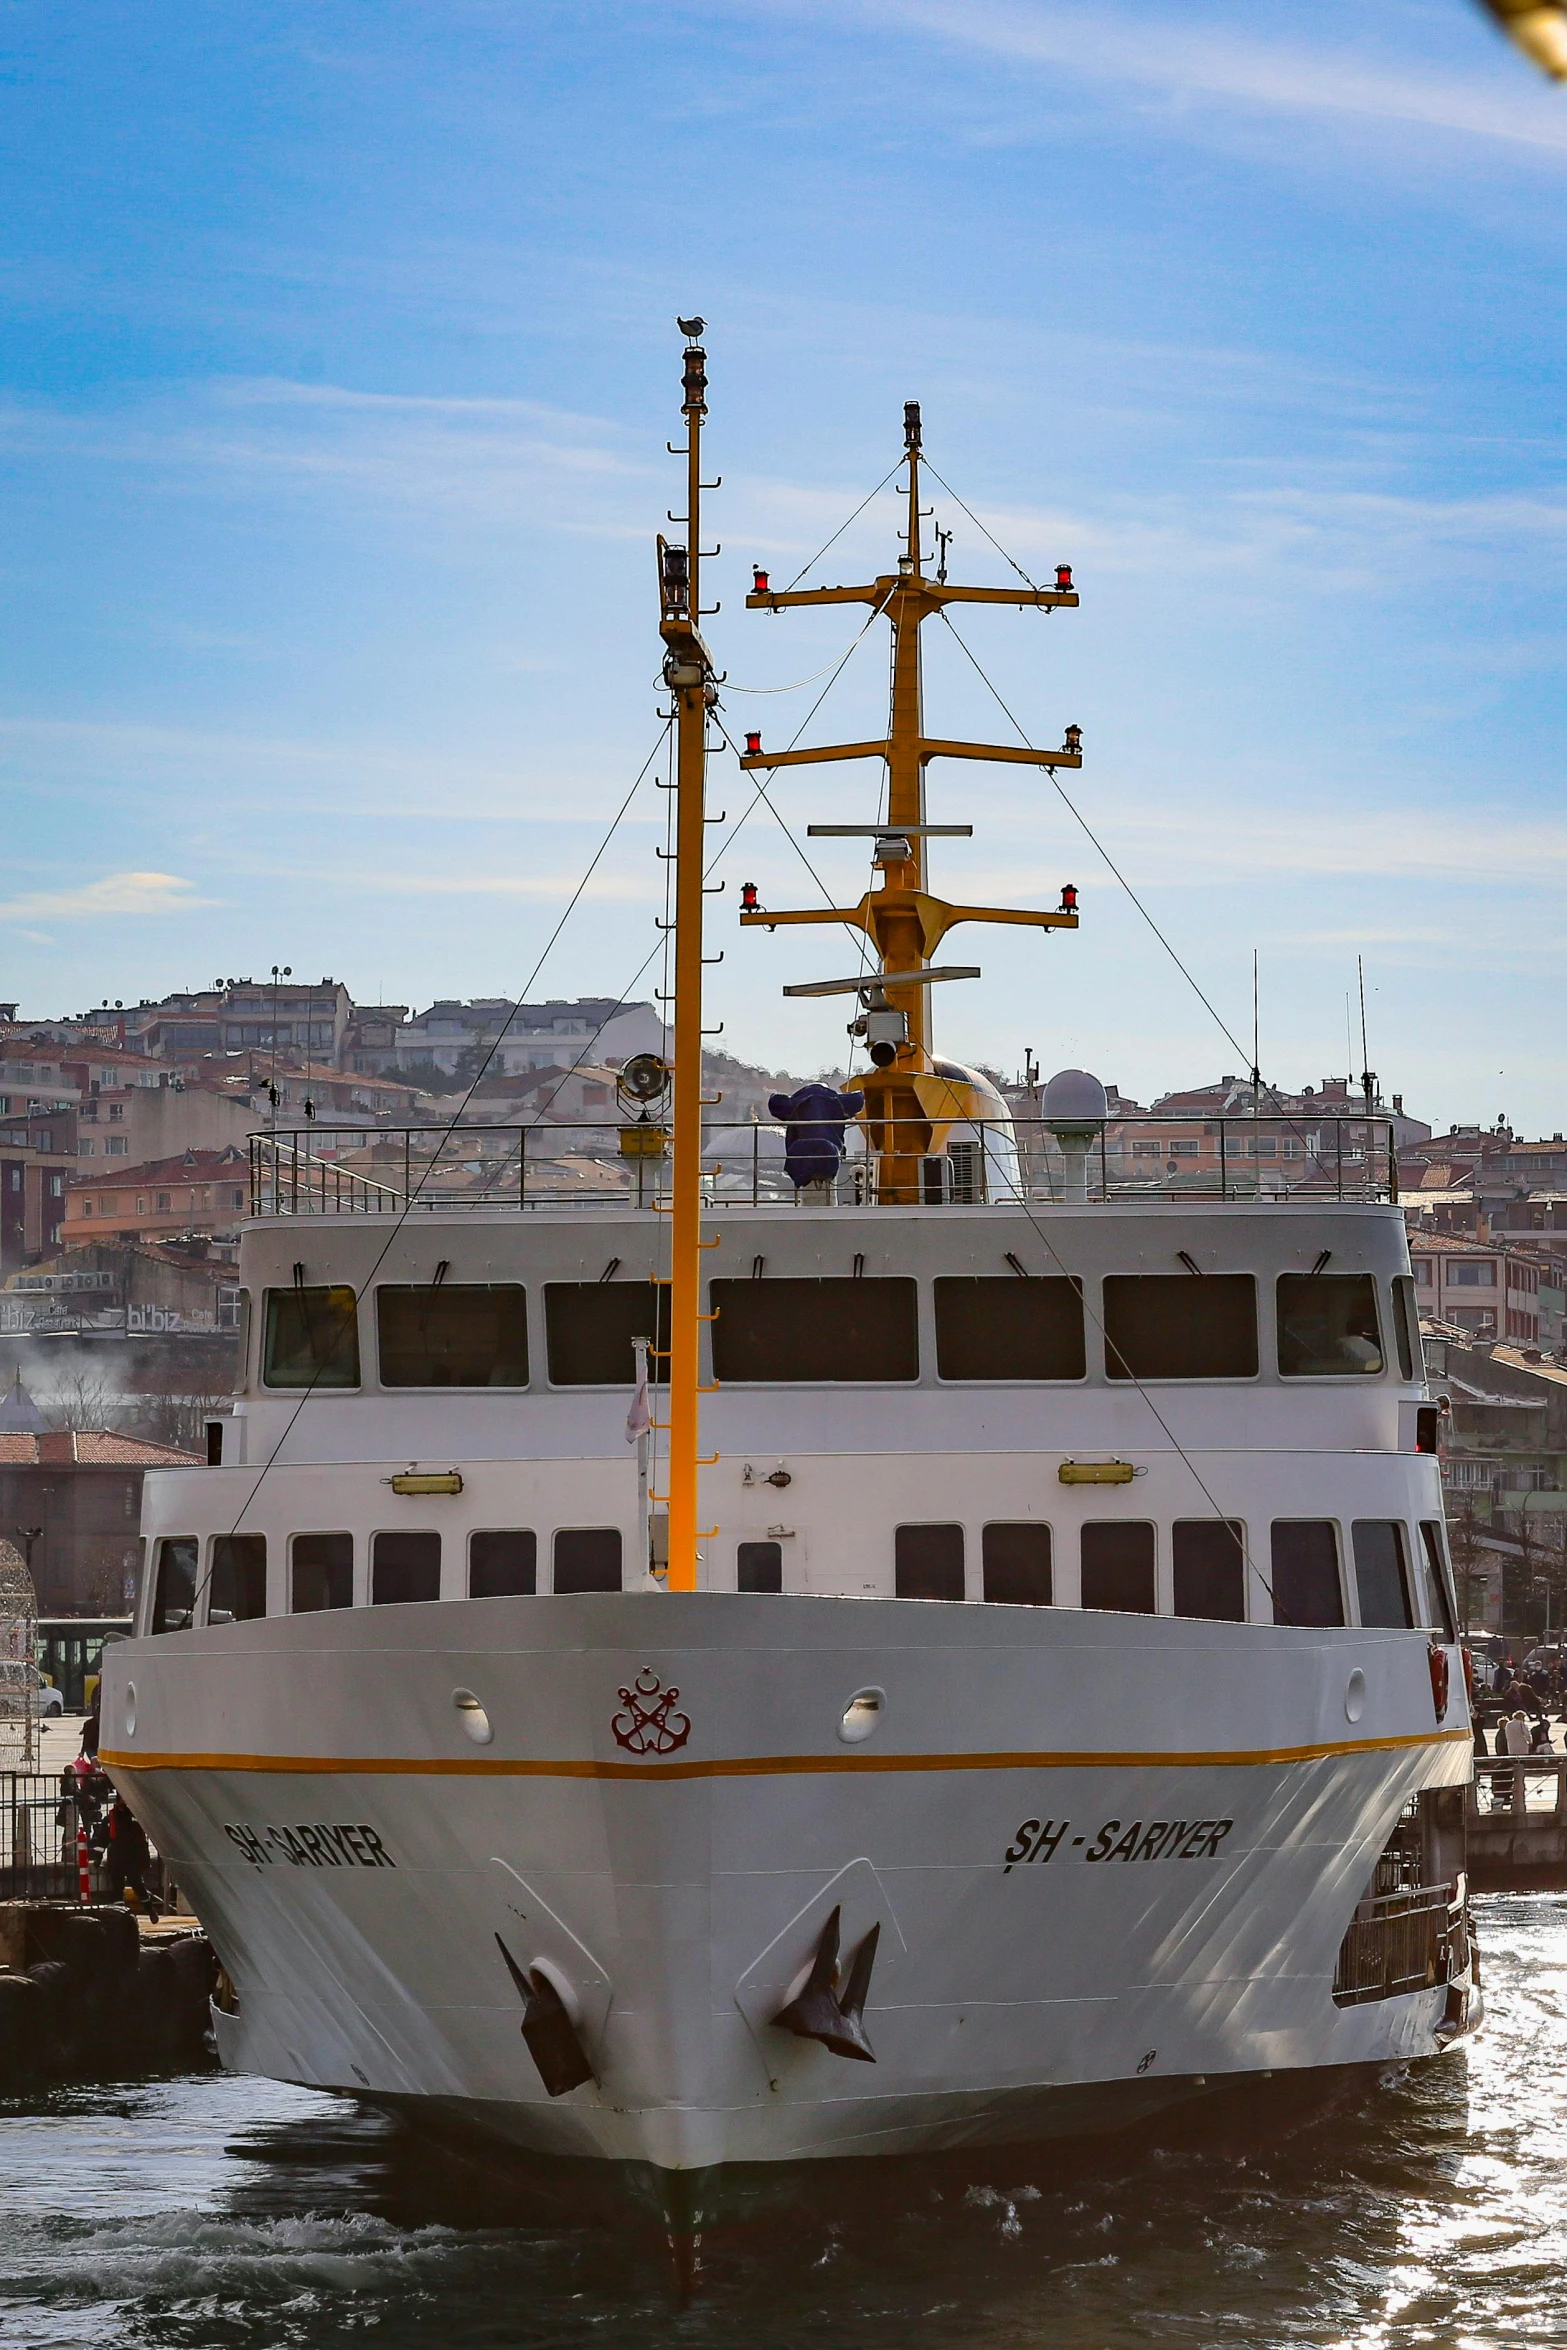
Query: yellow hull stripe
[(758, 1766)]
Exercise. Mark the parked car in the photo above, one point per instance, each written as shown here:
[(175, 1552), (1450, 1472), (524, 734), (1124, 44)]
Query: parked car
[(51, 1702)]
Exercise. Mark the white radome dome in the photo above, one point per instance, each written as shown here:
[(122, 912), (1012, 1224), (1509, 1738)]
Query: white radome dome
[(1075, 1101)]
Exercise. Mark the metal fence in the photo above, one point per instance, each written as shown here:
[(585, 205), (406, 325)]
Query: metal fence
[(40, 1855), (392, 1170)]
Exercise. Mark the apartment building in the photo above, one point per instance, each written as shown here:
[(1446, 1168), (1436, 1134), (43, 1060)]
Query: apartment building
[(200, 1194), (1483, 1287)]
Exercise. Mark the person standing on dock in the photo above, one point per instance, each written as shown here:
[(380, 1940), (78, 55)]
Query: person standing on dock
[(127, 1857)]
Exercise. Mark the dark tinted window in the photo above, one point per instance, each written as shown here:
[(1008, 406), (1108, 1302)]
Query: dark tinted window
[(1439, 1595), (1118, 1565), (587, 1558), (1328, 1325), (453, 1335), (503, 1563), (1009, 1329), (1380, 1582), (1406, 1325), (239, 1579), (404, 1567), (759, 1566), (1208, 1563), (312, 1338), (323, 1575), (928, 1561), (1306, 1587), (1180, 1326), (589, 1327), (176, 1593), (782, 1330), (1016, 1562)]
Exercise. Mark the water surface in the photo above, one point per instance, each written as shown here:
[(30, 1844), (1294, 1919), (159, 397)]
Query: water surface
[(1418, 2205)]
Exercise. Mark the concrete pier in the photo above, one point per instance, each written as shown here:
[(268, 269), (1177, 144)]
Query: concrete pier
[(1516, 1825)]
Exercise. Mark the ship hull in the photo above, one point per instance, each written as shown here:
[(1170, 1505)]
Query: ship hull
[(1087, 1907)]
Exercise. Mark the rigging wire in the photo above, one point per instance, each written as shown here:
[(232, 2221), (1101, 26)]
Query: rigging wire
[(843, 526), (995, 542), (1087, 829), (446, 1134)]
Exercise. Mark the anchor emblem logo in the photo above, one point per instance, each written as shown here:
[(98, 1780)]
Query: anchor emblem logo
[(650, 1724)]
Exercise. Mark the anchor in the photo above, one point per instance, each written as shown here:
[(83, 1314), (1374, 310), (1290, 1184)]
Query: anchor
[(819, 2012), (548, 2029)]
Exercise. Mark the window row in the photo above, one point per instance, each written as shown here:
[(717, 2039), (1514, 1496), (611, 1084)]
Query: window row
[(782, 1330), (503, 1562), (1117, 1569)]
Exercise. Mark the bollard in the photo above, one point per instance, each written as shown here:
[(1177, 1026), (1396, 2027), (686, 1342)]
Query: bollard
[(83, 1867)]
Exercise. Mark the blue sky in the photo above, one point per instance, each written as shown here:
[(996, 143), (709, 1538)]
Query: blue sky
[(338, 364)]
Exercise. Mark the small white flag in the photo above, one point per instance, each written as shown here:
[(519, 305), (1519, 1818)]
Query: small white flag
[(640, 1418)]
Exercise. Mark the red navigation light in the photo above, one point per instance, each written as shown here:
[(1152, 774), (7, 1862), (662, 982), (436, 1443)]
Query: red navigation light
[(1069, 898), (748, 898), (753, 743), (760, 578), (1064, 578)]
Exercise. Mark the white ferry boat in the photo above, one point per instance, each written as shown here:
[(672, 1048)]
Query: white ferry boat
[(1028, 1693)]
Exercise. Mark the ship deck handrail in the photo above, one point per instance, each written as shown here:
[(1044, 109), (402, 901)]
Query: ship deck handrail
[(321, 1169)]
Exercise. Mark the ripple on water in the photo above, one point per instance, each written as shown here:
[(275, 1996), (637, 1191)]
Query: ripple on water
[(1419, 2206)]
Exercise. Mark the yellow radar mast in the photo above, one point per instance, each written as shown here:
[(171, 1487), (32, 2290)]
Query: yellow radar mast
[(907, 1102)]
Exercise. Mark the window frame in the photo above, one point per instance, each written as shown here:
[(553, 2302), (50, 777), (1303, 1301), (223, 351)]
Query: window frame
[(475, 1534), (619, 1386), (989, 1379), (1239, 1530), (1094, 1525), (316, 1385), (210, 1584), (933, 1526), (593, 1590), (1345, 1378), (317, 1534), (910, 1283), (452, 1386), (1400, 1534), (746, 1542), (1341, 1563), (1005, 1525), (1127, 1377), (379, 1534), (163, 1543), (1440, 1568)]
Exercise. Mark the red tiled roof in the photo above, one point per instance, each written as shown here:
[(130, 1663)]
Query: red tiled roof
[(189, 1167), (90, 1448)]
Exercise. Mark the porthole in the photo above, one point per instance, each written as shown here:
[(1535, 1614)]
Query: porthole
[(471, 1714), (862, 1716), (130, 1709), (1355, 1696)]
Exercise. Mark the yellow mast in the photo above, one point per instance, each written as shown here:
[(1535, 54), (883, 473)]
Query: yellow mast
[(688, 673), (904, 1099)]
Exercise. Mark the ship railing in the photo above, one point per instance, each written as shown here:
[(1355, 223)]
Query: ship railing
[(1406, 1941), (320, 1170)]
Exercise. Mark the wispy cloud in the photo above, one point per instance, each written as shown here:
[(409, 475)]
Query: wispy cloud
[(116, 893), (477, 457), (1191, 62)]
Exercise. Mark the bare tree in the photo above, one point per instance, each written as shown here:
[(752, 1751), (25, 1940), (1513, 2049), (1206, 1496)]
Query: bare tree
[(85, 1400)]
